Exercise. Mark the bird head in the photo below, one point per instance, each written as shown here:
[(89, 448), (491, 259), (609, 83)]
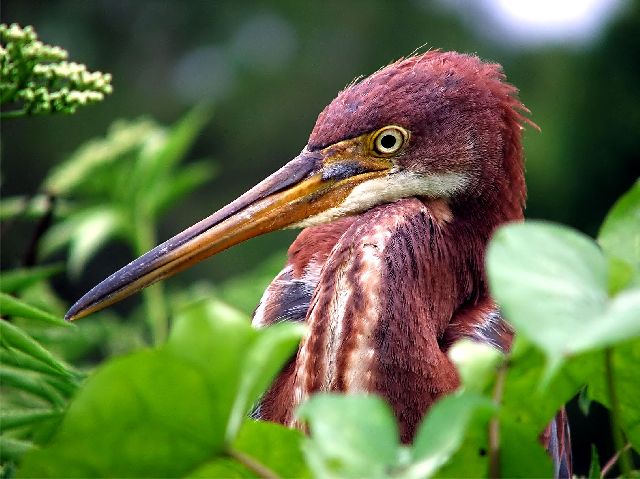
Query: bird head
[(442, 126)]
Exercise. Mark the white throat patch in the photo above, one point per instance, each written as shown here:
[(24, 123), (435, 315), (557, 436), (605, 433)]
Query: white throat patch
[(403, 184)]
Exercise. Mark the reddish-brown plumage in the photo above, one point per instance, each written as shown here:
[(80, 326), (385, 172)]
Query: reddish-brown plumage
[(394, 274), (428, 287), (396, 286)]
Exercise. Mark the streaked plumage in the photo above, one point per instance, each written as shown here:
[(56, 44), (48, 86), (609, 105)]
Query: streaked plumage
[(403, 180)]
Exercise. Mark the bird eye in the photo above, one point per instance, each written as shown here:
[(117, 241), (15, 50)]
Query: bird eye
[(389, 140)]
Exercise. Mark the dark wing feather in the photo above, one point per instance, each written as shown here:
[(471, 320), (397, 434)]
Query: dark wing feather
[(288, 296)]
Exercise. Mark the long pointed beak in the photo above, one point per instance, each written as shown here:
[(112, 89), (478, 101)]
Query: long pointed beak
[(310, 184)]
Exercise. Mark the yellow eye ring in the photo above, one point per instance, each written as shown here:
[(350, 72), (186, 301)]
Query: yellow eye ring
[(388, 140)]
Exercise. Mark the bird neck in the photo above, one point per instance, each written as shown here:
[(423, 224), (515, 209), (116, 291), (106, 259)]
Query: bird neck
[(383, 301)]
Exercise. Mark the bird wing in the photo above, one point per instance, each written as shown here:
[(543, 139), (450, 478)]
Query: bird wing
[(288, 297)]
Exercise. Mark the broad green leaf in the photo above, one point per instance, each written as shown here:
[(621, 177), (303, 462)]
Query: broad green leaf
[(472, 457), (12, 449), (10, 306), (13, 418), (151, 414), (155, 413), (521, 454), (215, 338), (266, 357), (443, 430), (551, 283), (18, 279), (223, 467), (620, 233), (13, 337), (524, 385), (625, 359), (276, 447), (622, 275), (476, 363), (351, 436)]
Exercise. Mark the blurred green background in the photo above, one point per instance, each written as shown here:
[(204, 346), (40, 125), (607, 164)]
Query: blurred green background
[(268, 68)]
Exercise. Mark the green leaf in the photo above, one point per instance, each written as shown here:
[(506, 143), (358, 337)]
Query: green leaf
[(351, 436), (272, 445), (145, 415), (10, 306), (179, 140), (155, 413), (13, 418), (622, 275), (551, 283), (99, 154), (521, 454), (472, 458), (264, 360), (476, 363), (165, 193), (442, 432), (221, 467), (625, 359), (524, 386), (97, 226), (19, 360), (13, 449), (32, 384), (620, 233), (31, 207), (215, 339), (277, 447), (14, 337), (18, 279)]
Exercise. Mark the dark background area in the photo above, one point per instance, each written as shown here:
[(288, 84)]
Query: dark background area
[(270, 67)]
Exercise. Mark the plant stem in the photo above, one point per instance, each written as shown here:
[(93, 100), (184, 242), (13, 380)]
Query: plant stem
[(618, 440), (254, 466), (154, 301), (612, 462)]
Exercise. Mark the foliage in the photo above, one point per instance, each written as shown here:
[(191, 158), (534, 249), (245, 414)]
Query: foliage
[(180, 408), (36, 79)]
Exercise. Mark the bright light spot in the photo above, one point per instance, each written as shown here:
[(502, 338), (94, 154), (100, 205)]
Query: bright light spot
[(531, 23), (551, 12), (542, 21)]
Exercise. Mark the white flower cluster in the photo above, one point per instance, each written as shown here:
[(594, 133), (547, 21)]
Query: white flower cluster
[(36, 78)]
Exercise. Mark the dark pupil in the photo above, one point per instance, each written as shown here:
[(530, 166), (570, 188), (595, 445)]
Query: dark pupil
[(388, 141)]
